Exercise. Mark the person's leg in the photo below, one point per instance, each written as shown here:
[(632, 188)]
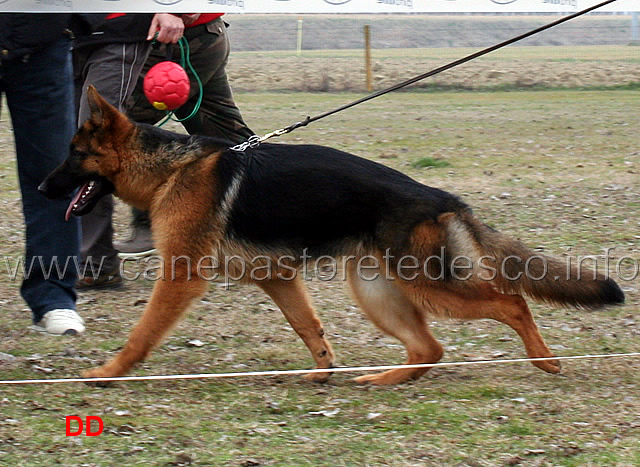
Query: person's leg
[(139, 108), (140, 241), (42, 115), (113, 70), (218, 114)]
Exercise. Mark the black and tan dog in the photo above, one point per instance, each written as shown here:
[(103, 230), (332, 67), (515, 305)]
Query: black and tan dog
[(425, 254)]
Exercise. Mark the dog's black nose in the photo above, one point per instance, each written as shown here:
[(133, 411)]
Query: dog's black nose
[(45, 189)]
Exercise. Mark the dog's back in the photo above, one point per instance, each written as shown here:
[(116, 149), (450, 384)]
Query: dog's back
[(319, 198)]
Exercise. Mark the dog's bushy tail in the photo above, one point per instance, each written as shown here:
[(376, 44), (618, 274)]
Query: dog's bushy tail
[(519, 270)]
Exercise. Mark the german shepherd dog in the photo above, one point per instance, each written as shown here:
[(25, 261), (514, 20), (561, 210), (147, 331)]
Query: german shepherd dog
[(294, 201)]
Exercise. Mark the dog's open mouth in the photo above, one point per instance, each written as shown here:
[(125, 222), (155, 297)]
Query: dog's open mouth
[(87, 197), (81, 199)]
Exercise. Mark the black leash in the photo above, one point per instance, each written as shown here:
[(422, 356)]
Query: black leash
[(256, 140)]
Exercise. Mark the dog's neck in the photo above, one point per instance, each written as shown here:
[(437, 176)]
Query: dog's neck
[(159, 164)]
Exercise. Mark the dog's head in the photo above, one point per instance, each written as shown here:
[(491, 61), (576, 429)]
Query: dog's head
[(94, 159)]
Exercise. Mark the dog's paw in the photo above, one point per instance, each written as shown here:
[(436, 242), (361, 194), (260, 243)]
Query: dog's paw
[(550, 366), (97, 373), (391, 377), (383, 379), (376, 379), (318, 377)]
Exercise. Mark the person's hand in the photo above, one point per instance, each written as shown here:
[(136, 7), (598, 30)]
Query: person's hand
[(190, 18), (169, 28)]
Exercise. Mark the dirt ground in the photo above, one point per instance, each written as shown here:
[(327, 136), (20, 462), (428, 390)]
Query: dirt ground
[(557, 169)]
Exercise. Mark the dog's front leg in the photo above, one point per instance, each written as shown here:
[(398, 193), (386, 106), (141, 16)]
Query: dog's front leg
[(170, 299), (291, 296)]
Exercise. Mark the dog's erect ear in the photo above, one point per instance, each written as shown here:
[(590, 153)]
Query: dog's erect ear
[(96, 102), (101, 110)]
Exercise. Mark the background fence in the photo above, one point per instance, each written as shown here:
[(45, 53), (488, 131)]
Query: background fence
[(280, 32)]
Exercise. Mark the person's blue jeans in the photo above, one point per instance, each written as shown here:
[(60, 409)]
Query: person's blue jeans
[(39, 92)]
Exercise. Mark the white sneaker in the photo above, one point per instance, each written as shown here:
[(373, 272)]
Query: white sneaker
[(61, 322)]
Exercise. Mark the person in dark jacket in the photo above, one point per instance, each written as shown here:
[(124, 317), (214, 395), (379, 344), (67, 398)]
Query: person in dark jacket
[(109, 52), (36, 78)]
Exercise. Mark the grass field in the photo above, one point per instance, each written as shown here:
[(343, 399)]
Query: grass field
[(558, 169)]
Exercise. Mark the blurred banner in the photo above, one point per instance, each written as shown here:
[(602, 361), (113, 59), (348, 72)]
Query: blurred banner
[(316, 6)]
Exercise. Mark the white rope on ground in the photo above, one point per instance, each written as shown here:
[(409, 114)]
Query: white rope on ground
[(308, 371)]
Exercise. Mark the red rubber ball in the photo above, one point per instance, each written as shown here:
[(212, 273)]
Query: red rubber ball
[(166, 86)]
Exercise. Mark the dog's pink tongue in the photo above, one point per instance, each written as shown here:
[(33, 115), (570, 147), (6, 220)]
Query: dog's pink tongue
[(74, 201)]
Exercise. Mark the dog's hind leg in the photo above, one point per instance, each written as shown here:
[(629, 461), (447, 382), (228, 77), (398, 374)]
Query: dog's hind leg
[(170, 299), (394, 314), (292, 298), (483, 302)]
